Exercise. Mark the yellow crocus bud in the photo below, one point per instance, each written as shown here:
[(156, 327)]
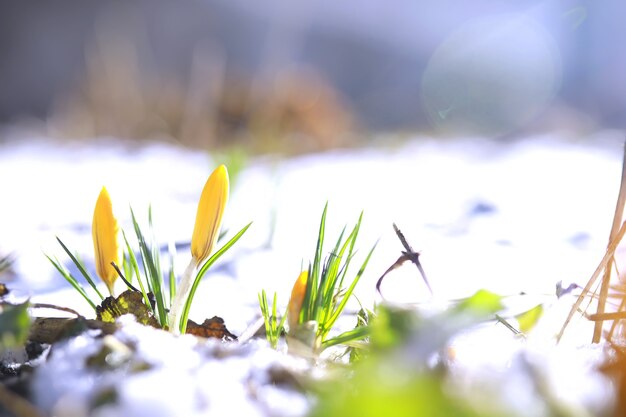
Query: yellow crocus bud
[(105, 231), (205, 233), (297, 298), (209, 215)]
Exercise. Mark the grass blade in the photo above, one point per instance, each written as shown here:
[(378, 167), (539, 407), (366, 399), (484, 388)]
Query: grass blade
[(329, 277), (81, 268), (279, 328), (329, 324), (151, 271), (172, 274), (135, 266), (203, 270), (357, 333), (354, 234), (273, 320), (335, 288), (266, 317), (127, 268), (154, 247), (72, 280), (273, 329), (314, 275)]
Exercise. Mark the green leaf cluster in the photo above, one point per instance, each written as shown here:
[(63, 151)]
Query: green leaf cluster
[(273, 327), (326, 297), (154, 293), (328, 289)]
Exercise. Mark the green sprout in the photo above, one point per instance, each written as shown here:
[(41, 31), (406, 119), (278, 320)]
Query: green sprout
[(319, 297), (273, 328), (170, 308)]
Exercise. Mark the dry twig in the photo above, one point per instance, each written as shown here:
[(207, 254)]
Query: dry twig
[(603, 264), (606, 279), (408, 254)]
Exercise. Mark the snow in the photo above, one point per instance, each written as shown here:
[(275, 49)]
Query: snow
[(510, 217), (165, 375), (546, 204)]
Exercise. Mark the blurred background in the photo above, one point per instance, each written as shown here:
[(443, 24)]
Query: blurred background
[(310, 75)]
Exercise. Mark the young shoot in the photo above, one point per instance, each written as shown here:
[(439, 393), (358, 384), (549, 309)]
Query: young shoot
[(273, 328), (320, 294), (170, 308), (105, 234), (205, 233)]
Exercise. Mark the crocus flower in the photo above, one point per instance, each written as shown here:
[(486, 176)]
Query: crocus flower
[(205, 233), (209, 215), (105, 232), (297, 298)]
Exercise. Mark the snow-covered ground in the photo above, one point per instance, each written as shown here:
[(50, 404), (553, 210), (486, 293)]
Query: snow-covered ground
[(152, 373), (509, 217)]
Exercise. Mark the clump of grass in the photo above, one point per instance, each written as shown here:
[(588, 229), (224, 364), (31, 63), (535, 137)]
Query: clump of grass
[(319, 296), (273, 327), (170, 308)]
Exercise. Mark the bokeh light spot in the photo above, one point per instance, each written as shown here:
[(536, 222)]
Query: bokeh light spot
[(491, 76)]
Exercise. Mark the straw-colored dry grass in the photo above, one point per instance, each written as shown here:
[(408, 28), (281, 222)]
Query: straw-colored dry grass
[(293, 112), (606, 266)]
